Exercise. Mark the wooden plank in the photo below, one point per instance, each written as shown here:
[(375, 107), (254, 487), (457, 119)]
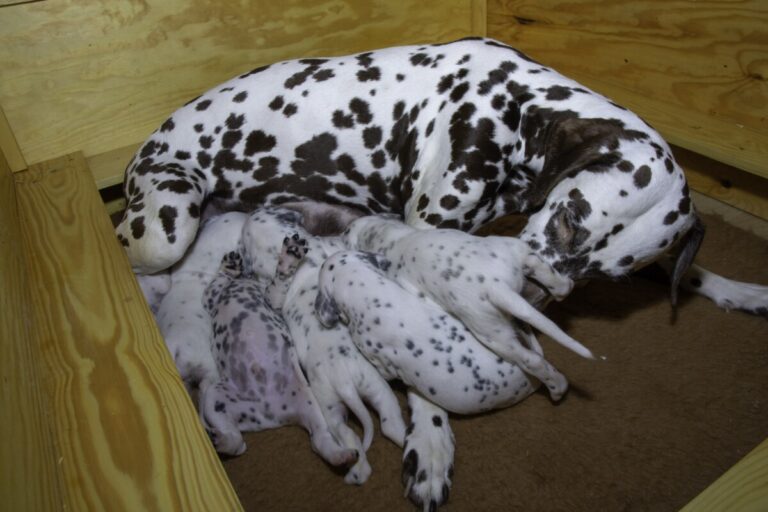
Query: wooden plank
[(8, 146), (479, 18), (725, 183), (28, 461), (127, 433), (87, 76), (696, 71), (743, 488), (108, 168)]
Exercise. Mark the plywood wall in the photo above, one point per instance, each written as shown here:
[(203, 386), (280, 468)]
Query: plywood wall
[(78, 75), (697, 71)]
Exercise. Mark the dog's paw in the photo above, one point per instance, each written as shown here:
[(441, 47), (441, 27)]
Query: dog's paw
[(227, 443), (359, 473), (428, 463), (293, 252)]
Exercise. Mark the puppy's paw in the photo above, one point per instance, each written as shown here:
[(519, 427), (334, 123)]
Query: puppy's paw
[(428, 463), (359, 473), (293, 252)]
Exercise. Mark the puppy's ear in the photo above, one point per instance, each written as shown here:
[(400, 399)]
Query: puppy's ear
[(377, 260), (327, 310)]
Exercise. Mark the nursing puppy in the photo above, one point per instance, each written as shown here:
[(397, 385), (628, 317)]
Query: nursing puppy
[(180, 315), (340, 377), (477, 279), (410, 337), (407, 336), (261, 385)]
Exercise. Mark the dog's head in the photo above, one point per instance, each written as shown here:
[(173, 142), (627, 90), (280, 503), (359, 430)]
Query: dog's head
[(611, 221)]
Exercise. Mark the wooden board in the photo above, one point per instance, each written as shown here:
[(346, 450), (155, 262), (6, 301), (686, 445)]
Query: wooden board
[(126, 433), (698, 72), (724, 183), (29, 479), (89, 76), (743, 488)]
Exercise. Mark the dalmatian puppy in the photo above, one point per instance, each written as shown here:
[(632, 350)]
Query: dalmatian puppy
[(340, 377), (261, 385), (408, 336), (446, 135), (181, 317), (154, 287), (476, 279)]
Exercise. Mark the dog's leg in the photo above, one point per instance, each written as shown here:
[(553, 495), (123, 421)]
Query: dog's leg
[(375, 390), (428, 460), (217, 419), (293, 252), (160, 221), (503, 340), (361, 470), (726, 293)]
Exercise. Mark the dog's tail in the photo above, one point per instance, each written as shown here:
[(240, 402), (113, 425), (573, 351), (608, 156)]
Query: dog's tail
[(687, 248), (517, 306), (352, 400)]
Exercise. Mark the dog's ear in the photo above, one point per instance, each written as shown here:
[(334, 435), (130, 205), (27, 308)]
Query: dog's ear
[(572, 144), (327, 310), (686, 250), (377, 260)]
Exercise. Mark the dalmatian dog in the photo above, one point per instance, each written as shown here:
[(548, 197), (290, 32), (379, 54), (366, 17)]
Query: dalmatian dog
[(341, 378), (408, 336), (476, 279), (446, 135), (261, 384), (183, 321)]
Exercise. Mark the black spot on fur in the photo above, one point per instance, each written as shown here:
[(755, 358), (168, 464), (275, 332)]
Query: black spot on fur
[(626, 261), (449, 202), (138, 228), (368, 75), (168, 215), (642, 176), (372, 136), (671, 217), (240, 97), (558, 93), (277, 103), (258, 142), (203, 105), (167, 126)]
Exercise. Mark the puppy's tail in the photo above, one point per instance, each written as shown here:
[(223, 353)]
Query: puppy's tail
[(352, 400), (516, 306)]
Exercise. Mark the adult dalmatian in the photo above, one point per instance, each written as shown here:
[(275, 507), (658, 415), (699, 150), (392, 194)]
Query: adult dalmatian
[(450, 135)]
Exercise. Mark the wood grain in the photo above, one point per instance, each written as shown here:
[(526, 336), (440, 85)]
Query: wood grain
[(28, 462), (743, 488), (8, 146), (697, 71), (93, 76), (724, 183), (126, 433)]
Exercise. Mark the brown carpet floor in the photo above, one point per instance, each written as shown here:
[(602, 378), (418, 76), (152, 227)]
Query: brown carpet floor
[(677, 402)]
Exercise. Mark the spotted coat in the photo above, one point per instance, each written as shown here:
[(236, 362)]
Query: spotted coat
[(447, 135)]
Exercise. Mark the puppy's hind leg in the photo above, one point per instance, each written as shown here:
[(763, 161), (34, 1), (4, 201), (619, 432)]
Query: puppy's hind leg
[(218, 421), (377, 392), (361, 470)]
